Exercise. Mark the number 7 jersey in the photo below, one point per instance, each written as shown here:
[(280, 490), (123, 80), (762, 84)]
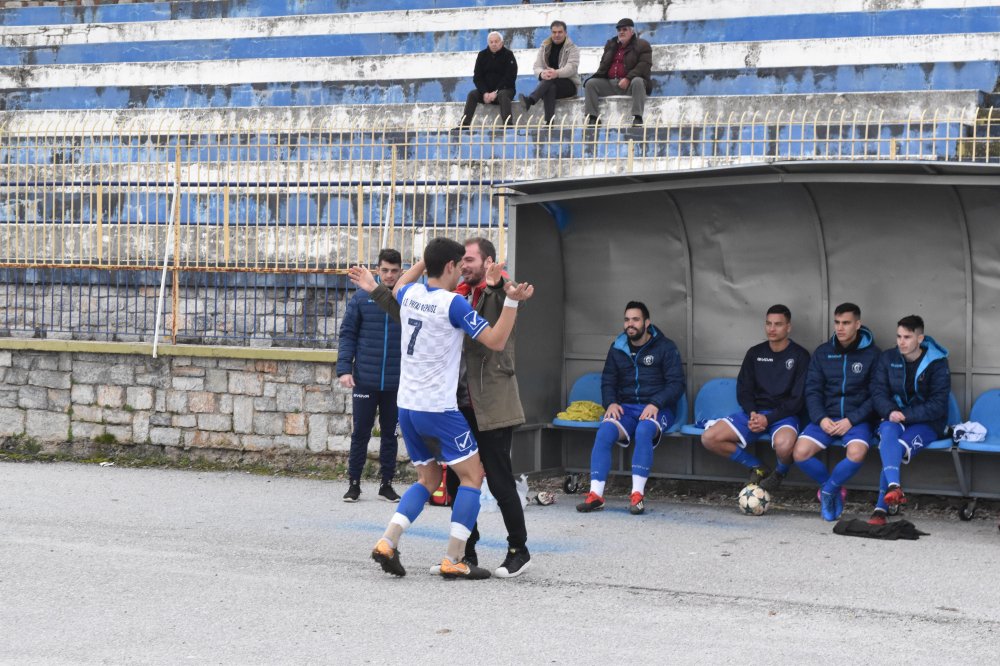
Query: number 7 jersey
[(434, 323)]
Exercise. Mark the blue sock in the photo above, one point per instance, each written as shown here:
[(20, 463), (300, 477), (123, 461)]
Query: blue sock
[(600, 457), (465, 510), (782, 469), (413, 501), (746, 459), (841, 474), (642, 457), (891, 451), (882, 487), (815, 470)]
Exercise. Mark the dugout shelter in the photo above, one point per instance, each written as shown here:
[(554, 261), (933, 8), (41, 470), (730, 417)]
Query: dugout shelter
[(710, 250)]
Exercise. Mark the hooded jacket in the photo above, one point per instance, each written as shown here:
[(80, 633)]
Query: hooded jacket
[(838, 382), (369, 345), (569, 60), (654, 377), (922, 398)]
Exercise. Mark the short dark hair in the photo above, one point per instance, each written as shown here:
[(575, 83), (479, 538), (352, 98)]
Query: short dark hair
[(913, 323), (439, 253), (638, 305), (848, 307), (485, 245), (390, 256), (780, 309), (560, 24)]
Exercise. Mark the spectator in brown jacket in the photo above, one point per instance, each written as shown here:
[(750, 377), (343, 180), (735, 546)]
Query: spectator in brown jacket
[(556, 68), (625, 69)]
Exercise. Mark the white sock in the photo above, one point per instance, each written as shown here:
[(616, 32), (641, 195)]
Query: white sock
[(597, 487), (639, 484)]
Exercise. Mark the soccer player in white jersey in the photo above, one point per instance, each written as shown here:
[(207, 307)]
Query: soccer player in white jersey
[(434, 321)]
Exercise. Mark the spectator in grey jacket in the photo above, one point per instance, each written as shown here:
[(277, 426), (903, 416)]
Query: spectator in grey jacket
[(556, 68)]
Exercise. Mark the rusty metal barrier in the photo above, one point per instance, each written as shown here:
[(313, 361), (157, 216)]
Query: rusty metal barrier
[(94, 193)]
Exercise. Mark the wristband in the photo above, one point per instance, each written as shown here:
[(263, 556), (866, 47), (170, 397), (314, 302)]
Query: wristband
[(509, 302)]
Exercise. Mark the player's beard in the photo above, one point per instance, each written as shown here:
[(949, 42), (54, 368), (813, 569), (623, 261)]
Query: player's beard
[(638, 336)]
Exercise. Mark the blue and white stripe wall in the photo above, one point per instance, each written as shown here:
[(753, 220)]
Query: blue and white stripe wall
[(413, 53)]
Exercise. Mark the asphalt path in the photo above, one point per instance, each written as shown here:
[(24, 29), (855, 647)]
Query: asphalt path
[(113, 565)]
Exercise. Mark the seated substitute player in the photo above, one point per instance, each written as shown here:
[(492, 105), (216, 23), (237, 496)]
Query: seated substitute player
[(910, 392), (769, 389), (642, 381), (840, 406), (434, 321)]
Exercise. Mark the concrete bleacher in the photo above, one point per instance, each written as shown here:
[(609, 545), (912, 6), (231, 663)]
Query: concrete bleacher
[(276, 53)]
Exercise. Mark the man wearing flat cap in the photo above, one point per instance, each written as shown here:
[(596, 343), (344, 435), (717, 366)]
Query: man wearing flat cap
[(625, 69)]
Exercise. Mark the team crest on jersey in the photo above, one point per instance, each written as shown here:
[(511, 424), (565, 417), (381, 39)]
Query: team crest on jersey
[(857, 368), (463, 441), (473, 319), (648, 360), (789, 364)]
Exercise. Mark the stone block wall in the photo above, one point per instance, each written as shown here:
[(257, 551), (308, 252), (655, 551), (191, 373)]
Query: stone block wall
[(174, 401)]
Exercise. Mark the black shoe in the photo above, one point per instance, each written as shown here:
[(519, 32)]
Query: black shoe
[(637, 121), (471, 557), (386, 492), (593, 121), (353, 492), (772, 481), (758, 474), (518, 561), (594, 502), (527, 101)]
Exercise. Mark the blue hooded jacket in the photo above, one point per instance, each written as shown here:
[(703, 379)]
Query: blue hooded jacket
[(922, 398), (654, 377), (837, 385), (369, 345)]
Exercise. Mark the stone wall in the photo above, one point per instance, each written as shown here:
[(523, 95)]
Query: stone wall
[(231, 404)]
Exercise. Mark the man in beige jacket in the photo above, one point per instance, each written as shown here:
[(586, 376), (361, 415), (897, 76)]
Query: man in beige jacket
[(556, 68)]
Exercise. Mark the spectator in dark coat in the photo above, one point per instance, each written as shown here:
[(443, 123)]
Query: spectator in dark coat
[(495, 76), (626, 69)]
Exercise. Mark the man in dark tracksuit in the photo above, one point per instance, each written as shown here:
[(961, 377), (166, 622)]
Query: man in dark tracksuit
[(910, 391), (495, 76), (840, 406), (642, 381), (368, 363), (770, 391)]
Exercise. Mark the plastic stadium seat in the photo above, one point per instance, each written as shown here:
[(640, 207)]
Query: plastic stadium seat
[(717, 398), (588, 387), (986, 410), (954, 416)]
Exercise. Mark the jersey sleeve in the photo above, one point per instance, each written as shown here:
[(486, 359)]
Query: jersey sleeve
[(462, 316), (402, 291)]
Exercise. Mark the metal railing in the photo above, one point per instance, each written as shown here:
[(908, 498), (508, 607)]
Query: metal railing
[(95, 193)]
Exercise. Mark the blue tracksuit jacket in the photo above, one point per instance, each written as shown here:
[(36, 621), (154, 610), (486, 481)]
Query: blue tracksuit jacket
[(922, 398), (838, 383), (369, 345), (655, 376)]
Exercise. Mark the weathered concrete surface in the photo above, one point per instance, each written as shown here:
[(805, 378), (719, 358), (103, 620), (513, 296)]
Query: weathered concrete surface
[(106, 564)]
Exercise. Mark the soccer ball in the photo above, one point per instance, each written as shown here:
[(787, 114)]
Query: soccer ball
[(754, 500)]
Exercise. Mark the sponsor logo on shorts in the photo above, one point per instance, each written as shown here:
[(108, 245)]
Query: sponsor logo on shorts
[(789, 364), (857, 368), (648, 360), (463, 441)]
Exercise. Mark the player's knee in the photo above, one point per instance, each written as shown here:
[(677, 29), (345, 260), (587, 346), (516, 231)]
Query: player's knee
[(802, 452), (646, 431), (607, 434), (783, 443), (856, 452)]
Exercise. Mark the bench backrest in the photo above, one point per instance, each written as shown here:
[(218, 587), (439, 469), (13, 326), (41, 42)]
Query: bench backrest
[(716, 399), (986, 410)]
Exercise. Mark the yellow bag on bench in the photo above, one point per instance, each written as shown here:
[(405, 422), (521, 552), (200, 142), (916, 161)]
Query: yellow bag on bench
[(582, 410)]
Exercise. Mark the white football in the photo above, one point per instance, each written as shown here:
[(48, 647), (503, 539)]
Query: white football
[(754, 500)]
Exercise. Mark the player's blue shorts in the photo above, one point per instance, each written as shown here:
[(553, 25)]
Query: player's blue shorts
[(740, 423), (442, 436), (913, 437), (859, 433), (629, 421)]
